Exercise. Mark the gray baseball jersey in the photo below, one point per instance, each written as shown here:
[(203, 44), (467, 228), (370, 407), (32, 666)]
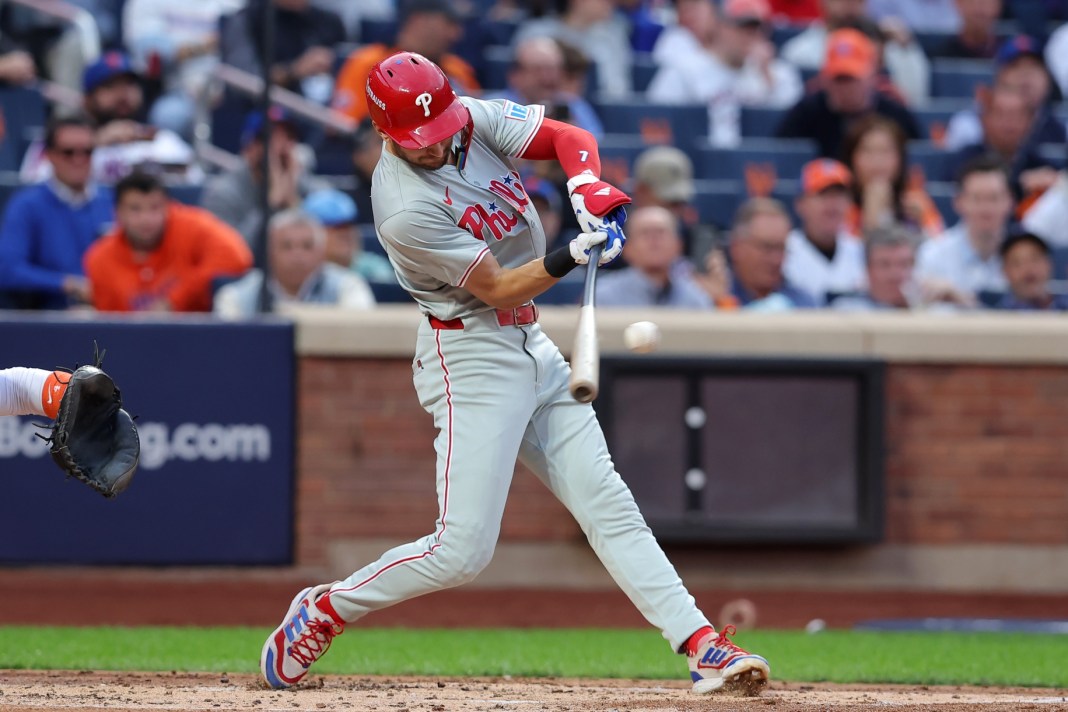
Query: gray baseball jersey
[(496, 393), (436, 226)]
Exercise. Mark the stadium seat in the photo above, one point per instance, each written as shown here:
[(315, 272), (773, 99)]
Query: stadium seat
[(370, 240), (786, 156), (935, 115), (618, 153), (642, 72), (1060, 263), (565, 292), (186, 193), (1055, 153), (685, 125), (989, 298), (929, 157), (760, 123), (9, 183), (496, 60), (942, 192), (23, 120), (387, 293), (781, 34), (718, 200), (377, 31), (959, 77)]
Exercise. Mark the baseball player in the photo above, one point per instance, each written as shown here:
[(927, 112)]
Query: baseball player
[(468, 245)]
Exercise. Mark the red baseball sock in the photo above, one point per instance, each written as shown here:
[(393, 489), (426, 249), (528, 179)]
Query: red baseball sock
[(690, 646)]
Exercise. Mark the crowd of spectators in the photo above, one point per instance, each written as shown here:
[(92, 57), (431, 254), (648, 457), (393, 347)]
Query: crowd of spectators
[(863, 222)]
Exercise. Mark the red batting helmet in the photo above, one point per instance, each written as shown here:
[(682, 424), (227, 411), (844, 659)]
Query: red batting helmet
[(410, 99)]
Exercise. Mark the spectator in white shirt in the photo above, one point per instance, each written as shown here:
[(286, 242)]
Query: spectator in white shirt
[(1057, 57), (1048, 216), (738, 68), (183, 40), (299, 273), (936, 16), (966, 255), (904, 58), (822, 258)]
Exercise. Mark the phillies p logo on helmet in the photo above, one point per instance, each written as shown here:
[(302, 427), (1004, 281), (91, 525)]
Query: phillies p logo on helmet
[(424, 100), (434, 115)]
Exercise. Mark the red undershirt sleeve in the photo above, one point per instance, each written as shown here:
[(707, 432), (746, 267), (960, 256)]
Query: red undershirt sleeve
[(573, 147)]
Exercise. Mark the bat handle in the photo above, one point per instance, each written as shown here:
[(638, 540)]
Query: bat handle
[(589, 290)]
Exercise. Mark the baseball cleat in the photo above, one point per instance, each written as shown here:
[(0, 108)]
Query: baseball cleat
[(719, 664), (303, 637)]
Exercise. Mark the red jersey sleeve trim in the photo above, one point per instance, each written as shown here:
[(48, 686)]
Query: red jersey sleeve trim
[(471, 268)]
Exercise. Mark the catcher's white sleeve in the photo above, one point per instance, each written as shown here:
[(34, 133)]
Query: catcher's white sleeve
[(20, 391)]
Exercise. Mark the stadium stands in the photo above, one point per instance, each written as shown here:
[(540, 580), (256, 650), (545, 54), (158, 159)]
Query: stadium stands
[(24, 115), (685, 125)]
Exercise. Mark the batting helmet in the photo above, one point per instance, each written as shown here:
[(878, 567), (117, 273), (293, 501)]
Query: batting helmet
[(410, 99)]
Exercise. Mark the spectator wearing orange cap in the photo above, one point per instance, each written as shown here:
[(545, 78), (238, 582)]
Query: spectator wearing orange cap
[(822, 257), (849, 94), (738, 68), (903, 57)]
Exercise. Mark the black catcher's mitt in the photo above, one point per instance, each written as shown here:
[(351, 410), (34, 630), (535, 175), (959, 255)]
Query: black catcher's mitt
[(93, 438)]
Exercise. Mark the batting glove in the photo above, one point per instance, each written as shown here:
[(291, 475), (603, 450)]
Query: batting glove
[(596, 203), (611, 235)]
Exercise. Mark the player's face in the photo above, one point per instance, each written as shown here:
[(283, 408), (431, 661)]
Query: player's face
[(142, 217), (431, 158)]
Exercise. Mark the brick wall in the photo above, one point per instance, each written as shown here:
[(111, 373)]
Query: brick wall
[(975, 454)]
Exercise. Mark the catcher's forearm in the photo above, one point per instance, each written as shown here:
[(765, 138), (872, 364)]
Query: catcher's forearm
[(21, 391)]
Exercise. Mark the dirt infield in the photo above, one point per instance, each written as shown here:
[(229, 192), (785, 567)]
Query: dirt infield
[(22, 691)]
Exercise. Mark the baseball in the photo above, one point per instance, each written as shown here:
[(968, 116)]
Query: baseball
[(642, 337)]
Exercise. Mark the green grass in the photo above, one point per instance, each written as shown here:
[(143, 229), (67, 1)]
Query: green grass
[(839, 656)]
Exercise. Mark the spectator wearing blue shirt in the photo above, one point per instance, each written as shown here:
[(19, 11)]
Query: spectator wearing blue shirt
[(757, 252), (48, 226), (1025, 257)]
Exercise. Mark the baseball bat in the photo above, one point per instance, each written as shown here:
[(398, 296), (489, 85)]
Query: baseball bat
[(585, 359)]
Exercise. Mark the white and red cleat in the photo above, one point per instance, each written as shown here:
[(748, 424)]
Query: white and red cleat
[(303, 637), (720, 664)]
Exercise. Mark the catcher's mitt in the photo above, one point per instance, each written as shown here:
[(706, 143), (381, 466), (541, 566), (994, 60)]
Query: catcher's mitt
[(93, 438)]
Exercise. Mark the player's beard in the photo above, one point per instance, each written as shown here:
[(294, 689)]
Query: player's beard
[(423, 158)]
